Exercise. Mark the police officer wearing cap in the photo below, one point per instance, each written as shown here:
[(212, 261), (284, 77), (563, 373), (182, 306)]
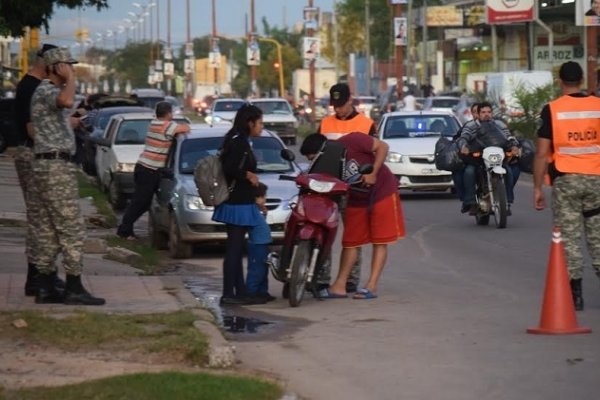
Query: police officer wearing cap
[(345, 120), (23, 164), (62, 229), (570, 134)]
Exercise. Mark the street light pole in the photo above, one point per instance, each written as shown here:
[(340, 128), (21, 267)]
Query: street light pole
[(399, 59), (279, 60), (214, 36), (253, 84), (311, 74)]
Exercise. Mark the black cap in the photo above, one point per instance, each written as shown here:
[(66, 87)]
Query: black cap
[(339, 94), (44, 49), (570, 72)]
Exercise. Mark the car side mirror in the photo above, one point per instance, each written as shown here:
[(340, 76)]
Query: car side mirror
[(288, 155)]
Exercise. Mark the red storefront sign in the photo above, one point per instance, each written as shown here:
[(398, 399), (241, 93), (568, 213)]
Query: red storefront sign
[(509, 11)]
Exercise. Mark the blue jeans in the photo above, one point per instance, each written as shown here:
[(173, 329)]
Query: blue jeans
[(457, 178), (257, 279), (470, 179)]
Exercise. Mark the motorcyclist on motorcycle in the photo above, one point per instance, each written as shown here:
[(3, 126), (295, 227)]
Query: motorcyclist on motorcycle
[(471, 138)]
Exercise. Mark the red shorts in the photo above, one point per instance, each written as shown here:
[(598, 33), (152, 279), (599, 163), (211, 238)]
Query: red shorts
[(382, 225)]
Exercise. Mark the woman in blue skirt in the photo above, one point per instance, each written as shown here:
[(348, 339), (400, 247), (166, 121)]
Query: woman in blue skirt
[(240, 212)]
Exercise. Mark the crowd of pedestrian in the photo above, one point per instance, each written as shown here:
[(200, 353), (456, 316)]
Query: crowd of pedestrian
[(568, 149)]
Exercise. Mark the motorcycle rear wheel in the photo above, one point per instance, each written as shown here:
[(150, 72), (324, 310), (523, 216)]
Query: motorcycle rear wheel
[(500, 204), (300, 268)]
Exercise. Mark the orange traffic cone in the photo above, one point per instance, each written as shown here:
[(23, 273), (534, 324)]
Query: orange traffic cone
[(558, 311)]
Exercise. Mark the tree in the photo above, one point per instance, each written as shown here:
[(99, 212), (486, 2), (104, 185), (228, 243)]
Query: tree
[(15, 15), (130, 63)]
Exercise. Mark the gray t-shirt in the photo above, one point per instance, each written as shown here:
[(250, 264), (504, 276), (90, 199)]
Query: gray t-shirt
[(51, 127)]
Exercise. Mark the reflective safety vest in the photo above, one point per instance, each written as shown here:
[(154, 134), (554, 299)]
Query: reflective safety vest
[(576, 134), (332, 125)]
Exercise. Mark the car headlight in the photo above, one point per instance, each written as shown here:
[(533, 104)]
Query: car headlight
[(195, 203), (125, 167), (395, 158)]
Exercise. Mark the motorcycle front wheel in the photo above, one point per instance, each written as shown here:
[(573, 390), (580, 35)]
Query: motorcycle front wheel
[(300, 266), (500, 204)]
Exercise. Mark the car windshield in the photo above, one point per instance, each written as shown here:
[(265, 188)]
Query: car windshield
[(267, 151), (409, 126), (274, 107), (228, 105), (444, 103)]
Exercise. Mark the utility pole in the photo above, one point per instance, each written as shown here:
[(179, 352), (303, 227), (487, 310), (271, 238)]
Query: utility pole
[(368, 44), (399, 58), (311, 73), (188, 75), (425, 65), (214, 37), (254, 92), (592, 58), (170, 80), (335, 41)]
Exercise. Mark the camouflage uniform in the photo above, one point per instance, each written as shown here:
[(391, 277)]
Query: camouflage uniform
[(23, 166), (572, 194), (61, 223)]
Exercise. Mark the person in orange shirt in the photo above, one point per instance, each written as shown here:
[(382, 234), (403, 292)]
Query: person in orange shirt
[(570, 133), (346, 119)]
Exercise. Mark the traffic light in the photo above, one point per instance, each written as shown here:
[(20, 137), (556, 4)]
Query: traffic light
[(34, 38)]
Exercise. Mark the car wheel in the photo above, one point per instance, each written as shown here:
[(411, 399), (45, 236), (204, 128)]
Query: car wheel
[(159, 240), (115, 196), (177, 248)]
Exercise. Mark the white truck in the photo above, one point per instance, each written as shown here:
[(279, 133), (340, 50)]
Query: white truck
[(501, 86)]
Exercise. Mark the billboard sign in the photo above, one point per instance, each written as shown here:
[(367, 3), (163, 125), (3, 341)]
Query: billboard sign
[(444, 16), (587, 12), (509, 11)]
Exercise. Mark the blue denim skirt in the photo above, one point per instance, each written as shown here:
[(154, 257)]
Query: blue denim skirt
[(238, 214)]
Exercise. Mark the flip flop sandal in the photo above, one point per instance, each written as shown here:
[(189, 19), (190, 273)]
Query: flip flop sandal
[(364, 294)]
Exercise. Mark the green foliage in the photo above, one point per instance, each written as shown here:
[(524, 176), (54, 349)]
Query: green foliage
[(157, 386), (530, 103), (130, 63), (15, 15)]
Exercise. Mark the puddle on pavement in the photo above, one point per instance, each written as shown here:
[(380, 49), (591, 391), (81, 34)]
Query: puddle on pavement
[(208, 294), (237, 324)]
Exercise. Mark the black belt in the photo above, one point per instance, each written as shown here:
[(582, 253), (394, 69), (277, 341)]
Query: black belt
[(56, 155)]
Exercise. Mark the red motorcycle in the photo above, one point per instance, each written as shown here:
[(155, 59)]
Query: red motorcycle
[(310, 231)]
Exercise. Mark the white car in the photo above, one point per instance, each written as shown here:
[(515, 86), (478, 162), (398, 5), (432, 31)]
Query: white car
[(118, 151), (223, 111), (411, 137), (278, 117)]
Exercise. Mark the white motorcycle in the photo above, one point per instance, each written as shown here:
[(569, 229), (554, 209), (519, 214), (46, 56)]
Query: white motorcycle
[(490, 188)]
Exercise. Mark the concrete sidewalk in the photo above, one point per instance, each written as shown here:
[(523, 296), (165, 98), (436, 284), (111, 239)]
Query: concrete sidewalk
[(125, 290)]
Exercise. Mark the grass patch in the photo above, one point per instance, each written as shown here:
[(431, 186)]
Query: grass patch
[(150, 256), (160, 386), (89, 189), (172, 336)]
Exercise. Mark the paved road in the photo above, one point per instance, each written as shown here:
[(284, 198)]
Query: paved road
[(450, 321)]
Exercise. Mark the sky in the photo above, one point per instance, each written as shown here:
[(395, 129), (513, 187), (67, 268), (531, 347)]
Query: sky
[(231, 18)]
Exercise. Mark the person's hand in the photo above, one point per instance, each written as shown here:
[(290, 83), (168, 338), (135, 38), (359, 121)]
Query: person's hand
[(64, 70), (539, 200), (251, 176), (369, 180), (464, 150)]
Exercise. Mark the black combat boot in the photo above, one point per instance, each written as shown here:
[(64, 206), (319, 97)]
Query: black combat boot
[(577, 294), (31, 284), (47, 292), (75, 293)]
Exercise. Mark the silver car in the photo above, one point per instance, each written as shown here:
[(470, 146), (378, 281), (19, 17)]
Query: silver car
[(178, 218)]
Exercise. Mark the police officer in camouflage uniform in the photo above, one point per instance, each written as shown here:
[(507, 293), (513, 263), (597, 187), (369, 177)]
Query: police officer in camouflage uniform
[(61, 224), (570, 133), (23, 162)]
